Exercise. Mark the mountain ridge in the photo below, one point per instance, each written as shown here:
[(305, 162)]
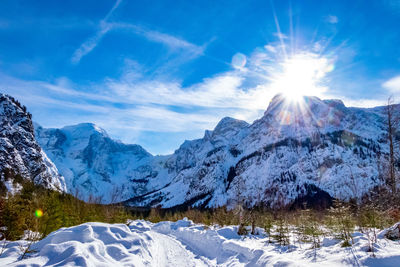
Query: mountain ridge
[(294, 146)]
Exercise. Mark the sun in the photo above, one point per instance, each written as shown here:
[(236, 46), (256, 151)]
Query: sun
[(301, 75)]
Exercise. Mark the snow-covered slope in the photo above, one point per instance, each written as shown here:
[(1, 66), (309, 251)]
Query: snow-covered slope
[(19, 151), (95, 166), (183, 243), (297, 150), (294, 151)]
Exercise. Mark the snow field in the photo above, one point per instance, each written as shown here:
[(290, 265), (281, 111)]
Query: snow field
[(184, 243)]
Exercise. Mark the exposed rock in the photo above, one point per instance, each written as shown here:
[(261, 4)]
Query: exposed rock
[(393, 233), (20, 154)]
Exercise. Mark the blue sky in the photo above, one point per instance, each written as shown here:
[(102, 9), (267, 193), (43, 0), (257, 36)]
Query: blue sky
[(159, 72)]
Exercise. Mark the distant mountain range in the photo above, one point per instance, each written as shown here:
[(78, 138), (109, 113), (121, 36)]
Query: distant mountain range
[(311, 150)]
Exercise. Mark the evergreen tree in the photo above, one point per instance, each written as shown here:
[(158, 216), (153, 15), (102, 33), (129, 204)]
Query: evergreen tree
[(341, 222), (282, 231), (268, 223)]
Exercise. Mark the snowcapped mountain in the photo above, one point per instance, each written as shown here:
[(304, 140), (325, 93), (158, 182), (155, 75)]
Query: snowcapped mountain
[(19, 151), (297, 150), (97, 167)]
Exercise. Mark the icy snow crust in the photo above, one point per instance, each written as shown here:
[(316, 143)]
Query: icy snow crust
[(321, 144), (183, 243)]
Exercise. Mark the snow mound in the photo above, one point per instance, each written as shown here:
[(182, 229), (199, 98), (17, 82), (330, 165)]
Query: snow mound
[(184, 243), (90, 244)]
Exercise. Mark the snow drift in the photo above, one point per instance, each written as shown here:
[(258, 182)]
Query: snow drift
[(183, 243)]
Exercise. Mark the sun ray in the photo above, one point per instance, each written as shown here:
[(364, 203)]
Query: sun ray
[(278, 29), (302, 74), (291, 28)]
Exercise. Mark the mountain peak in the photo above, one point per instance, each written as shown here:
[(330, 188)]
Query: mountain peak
[(305, 105), (280, 101), (19, 151), (227, 128), (336, 103), (229, 122), (13, 108), (84, 130)]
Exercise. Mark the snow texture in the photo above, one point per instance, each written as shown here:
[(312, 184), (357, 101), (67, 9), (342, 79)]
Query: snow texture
[(183, 243)]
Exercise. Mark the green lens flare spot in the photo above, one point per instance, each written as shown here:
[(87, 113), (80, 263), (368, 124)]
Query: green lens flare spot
[(38, 213)]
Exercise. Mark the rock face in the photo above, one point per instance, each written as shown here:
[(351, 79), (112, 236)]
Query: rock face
[(393, 233), (296, 152), (20, 154)]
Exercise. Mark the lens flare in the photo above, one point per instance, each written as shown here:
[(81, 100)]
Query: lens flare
[(38, 213), (239, 61)]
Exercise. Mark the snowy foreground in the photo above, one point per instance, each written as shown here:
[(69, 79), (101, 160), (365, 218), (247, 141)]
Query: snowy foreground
[(183, 243)]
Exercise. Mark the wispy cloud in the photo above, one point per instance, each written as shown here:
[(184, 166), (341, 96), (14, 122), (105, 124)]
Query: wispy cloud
[(243, 92), (133, 104), (108, 110), (364, 102), (332, 19), (105, 26), (87, 46), (280, 35), (90, 43), (392, 85), (170, 41), (115, 6)]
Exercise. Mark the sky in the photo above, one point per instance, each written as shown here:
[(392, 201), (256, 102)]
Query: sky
[(156, 73)]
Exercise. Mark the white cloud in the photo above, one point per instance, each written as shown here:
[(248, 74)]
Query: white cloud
[(364, 103), (270, 48), (146, 110), (212, 92), (105, 26), (226, 94), (115, 6), (86, 47), (332, 19), (170, 41), (134, 104), (280, 35), (392, 85)]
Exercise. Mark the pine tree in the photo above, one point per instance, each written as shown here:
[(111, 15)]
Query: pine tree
[(310, 230), (53, 213), (370, 220), (268, 222), (282, 231), (155, 215), (341, 222)]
